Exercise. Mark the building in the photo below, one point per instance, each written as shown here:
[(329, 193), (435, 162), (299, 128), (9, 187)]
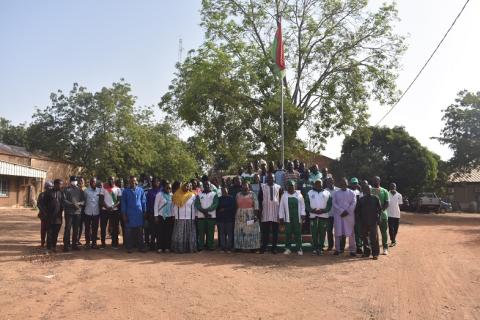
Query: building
[(464, 191), (22, 175)]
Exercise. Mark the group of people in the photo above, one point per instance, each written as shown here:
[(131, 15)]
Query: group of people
[(248, 209)]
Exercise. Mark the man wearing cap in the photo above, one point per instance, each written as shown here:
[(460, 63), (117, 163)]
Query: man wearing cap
[(269, 202), (292, 212), (355, 187), (318, 203), (73, 202), (344, 201), (54, 201)]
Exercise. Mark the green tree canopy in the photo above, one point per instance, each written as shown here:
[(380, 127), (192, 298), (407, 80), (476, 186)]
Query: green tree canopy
[(105, 133), (339, 55), (393, 155), (12, 134), (462, 131)]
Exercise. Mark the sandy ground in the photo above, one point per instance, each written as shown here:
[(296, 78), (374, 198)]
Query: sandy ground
[(433, 273)]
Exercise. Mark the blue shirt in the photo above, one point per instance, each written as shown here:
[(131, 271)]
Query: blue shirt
[(134, 205)]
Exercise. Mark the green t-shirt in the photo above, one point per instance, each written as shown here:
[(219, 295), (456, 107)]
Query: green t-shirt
[(382, 195)]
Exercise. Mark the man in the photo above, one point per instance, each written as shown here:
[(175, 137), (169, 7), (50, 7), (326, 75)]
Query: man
[(248, 176), (382, 195), (110, 198), (133, 206), (344, 201), (318, 203), (54, 200), (269, 202), (296, 164), (149, 223), (92, 213), (368, 210), (235, 188), (355, 187), (393, 212), (280, 174), (74, 200), (315, 174), (325, 174), (81, 185), (292, 212), (225, 220), (329, 186), (263, 171), (206, 204), (42, 212), (291, 174), (304, 185)]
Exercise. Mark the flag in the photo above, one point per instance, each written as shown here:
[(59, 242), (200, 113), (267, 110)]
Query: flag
[(277, 52)]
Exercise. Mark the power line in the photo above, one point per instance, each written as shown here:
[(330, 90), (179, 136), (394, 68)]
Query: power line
[(426, 63)]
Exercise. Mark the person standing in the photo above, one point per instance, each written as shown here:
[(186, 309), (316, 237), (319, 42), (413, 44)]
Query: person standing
[(368, 210), (269, 203), (164, 218), (54, 199), (291, 174), (110, 198), (255, 186), (150, 227), (225, 220), (315, 174), (184, 237), (318, 203), (133, 205), (393, 211), (206, 204), (247, 226), (248, 176), (92, 213), (292, 213), (74, 200), (42, 212), (329, 186), (355, 187), (344, 201), (280, 174), (81, 185), (383, 196)]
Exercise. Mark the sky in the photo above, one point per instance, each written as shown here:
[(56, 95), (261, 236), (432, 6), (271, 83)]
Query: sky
[(49, 45)]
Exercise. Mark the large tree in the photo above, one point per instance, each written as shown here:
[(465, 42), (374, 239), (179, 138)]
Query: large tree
[(462, 131), (393, 155), (105, 133), (13, 134), (339, 56)]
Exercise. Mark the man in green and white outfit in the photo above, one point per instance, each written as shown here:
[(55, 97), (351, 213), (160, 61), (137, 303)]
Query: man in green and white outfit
[(318, 203), (206, 204), (383, 196), (292, 212)]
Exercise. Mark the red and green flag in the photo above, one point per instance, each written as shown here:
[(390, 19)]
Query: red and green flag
[(278, 55)]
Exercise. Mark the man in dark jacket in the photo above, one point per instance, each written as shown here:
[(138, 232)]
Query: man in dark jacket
[(73, 201), (368, 210), (54, 207)]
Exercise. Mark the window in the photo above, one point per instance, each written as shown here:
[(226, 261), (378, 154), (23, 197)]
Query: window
[(3, 187)]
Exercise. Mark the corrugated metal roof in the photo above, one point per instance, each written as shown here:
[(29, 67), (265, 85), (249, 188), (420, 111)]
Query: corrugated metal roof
[(23, 152), (473, 176), (12, 169)]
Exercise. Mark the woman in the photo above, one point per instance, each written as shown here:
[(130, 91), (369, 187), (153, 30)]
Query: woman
[(247, 225), (164, 218), (184, 238)]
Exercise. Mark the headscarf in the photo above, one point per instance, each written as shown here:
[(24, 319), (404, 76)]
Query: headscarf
[(180, 197)]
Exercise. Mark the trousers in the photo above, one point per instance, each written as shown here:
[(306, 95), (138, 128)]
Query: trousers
[(319, 228), (266, 228), (72, 224), (393, 228)]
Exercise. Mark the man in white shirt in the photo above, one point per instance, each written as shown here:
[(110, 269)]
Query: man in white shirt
[(393, 211), (110, 198), (92, 213)]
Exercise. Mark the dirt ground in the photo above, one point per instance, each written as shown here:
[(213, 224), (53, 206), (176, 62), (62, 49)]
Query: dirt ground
[(433, 273)]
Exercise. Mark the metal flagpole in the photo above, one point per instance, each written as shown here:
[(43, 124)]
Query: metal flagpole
[(283, 136)]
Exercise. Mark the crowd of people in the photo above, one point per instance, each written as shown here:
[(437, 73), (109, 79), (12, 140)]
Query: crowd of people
[(249, 211)]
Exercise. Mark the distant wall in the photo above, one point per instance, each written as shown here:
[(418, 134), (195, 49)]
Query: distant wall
[(55, 169)]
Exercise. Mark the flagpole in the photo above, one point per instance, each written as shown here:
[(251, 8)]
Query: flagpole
[(281, 126)]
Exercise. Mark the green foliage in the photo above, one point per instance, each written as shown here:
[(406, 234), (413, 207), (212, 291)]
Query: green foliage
[(105, 133), (393, 155), (462, 131), (12, 134), (338, 54)]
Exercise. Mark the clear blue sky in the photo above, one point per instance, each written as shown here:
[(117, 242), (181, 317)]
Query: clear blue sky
[(48, 45)]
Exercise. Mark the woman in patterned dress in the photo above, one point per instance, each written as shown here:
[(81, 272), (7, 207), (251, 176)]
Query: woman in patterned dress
[(247, 224), (184, 238)]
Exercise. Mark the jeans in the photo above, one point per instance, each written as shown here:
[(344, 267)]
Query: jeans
[(225, 234), (52, 235), (91, 229), (393, 228), (134, 236), (72, 223), (265, 227)]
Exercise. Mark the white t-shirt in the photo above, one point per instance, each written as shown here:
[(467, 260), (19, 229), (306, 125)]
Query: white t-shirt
[(394, 203), (109, 196)]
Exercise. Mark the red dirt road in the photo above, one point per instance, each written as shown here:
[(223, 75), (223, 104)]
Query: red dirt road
[(433, 273)]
